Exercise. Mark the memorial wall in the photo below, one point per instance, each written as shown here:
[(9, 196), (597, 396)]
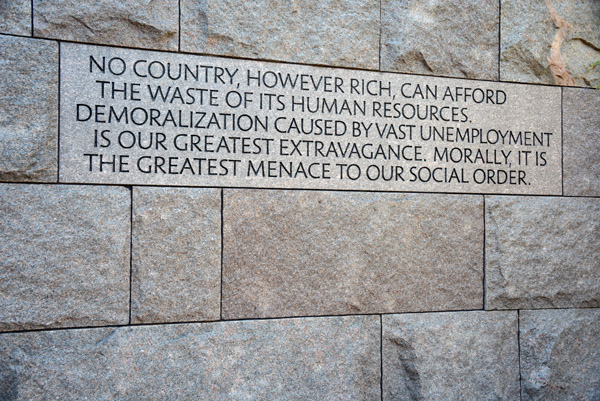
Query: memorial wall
[(273, 200)]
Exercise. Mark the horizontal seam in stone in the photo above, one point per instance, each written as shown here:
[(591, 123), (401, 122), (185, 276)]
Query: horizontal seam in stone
[(301, 189), (343, 67), (257, 319)]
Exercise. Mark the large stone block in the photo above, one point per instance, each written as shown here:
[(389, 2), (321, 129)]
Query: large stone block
[(581, 157), (457, 38), (137, 23), (297, 359), (290, 253), (176, 250), (542, 252), (451, 356), (291, 140), (560, 354), (341, 33), (65, 256), (15, 17), (552, 41), (28, 109)]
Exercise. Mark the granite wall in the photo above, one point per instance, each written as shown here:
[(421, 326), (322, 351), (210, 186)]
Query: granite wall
[(120, 292)]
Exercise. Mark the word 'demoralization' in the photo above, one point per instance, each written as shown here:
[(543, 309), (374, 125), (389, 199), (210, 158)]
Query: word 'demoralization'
[(151, 118)]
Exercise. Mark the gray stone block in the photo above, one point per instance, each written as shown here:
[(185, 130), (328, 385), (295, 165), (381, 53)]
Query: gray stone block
[(581, 149), (136, 23), (451, 356), (65, 256), (341, 33), (296, 359), (457, 38), (375, 142), (542, 252), (176, 252), (552, 42), (560, 354), (290, 253), (28, 109), (15, 17)]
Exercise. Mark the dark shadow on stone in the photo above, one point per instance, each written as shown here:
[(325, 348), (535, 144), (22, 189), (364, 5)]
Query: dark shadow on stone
[(9, 384), (408, 362)]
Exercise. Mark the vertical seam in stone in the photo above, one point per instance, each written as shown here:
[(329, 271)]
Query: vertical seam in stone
[(562, 140), (381, 356), (58, 121), (179, 22), (31, 18), (519, 351), (499, 34), (221, 293), (380, 29), (484, 236), (130, 247)]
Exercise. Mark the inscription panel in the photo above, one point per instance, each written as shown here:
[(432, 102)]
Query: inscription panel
[(155, 118)]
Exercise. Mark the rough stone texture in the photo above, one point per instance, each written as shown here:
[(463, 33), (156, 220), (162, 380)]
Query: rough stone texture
[(560, 355), (297, 359), (581, 150), (137, 23), (15, 17), (529, 30), (290, 253), (176, 252), (457, 38), (451, 356), (542, 252), (65, 256), (28, 109), (332, 32)]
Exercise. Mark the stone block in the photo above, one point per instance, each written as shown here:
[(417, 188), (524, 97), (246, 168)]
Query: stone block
[(581, 142), (296, 359), (393, 147), (542, 252), (551, 42), (176, 273), (28, 109), (65, 256), (15, 17), (451, 356), (136, 23), (457, 38), (560, 354), (339, 33), (291, 253)]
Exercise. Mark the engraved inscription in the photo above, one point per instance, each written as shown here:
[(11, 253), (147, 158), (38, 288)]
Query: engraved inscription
[(152, 118)]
